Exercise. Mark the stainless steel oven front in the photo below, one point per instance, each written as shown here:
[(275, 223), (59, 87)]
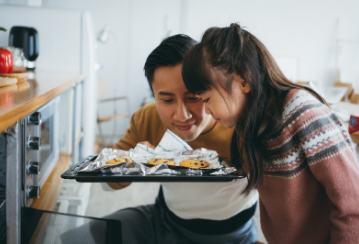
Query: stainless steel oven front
[(28, 151), (40, 150)]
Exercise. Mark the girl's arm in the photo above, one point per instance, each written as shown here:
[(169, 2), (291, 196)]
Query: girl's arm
[(333, 161)]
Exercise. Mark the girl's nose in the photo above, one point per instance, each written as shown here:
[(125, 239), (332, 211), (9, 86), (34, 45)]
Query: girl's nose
[(182, 113), (207, 110)]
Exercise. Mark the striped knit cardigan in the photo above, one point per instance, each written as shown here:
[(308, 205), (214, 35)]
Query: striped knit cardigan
[(310, 189)]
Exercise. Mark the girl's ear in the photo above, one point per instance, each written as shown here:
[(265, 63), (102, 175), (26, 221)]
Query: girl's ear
[(243, 84)]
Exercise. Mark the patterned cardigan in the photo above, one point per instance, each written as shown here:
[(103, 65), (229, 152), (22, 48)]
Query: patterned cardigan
[(310, 188)]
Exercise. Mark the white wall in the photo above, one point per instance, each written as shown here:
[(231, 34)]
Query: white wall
[(304, 31), (137, 27), (112, 56)]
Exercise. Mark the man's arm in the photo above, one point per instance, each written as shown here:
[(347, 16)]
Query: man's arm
[(146, 127), (125, 143), (131, 137), (121, 185)]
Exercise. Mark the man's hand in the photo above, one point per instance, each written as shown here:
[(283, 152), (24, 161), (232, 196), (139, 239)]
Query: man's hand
[(146, 143), (123, 184), (118, 185)]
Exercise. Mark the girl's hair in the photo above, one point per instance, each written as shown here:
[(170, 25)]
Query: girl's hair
[(234, 50)]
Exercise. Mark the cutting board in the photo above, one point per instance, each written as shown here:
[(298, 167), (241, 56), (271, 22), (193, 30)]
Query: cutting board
[(17, 75), (5, 81)]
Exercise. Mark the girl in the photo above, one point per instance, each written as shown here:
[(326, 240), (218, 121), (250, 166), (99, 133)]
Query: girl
[(294, 149)]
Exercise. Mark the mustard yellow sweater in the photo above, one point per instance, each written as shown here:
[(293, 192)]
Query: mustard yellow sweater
[(146, 125)]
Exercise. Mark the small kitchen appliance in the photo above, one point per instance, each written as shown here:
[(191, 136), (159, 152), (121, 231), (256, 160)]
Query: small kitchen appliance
[(27, 39)]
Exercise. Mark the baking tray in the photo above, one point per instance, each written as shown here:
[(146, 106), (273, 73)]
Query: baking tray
[(72, 174)]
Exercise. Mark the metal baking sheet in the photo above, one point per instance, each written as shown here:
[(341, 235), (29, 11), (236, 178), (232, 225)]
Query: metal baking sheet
[(72, 174)]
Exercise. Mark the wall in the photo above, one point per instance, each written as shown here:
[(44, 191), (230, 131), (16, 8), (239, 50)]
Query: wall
[(137, 27), (307, 30), (298, 33), (111, 56)]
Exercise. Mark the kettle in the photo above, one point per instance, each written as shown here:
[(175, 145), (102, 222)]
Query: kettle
[(27, 39)]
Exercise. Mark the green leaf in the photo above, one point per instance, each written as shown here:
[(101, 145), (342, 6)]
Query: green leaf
[(3, 29)]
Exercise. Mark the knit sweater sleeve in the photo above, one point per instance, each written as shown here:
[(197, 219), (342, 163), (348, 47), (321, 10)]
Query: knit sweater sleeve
[(332, 160), (327, 149)]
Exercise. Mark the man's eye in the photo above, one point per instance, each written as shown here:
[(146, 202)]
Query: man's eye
[(206, 100), (167, 101)]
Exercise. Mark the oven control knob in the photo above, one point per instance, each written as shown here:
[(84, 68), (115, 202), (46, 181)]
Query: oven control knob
[(33, 191), (33, 168), (35, 119), (33, 143)]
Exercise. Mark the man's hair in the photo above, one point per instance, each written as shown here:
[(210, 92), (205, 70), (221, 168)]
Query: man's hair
[(169, 53)]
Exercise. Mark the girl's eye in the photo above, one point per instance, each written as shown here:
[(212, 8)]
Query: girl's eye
[(206, 100), (194, 98)]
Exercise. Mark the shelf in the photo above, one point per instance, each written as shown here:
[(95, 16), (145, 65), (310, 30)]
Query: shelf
[(111, 117)]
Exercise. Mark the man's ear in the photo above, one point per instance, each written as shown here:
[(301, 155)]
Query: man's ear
[(243, 84)]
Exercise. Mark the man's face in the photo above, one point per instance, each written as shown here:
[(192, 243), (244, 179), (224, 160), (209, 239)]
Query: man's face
[(182, 112)]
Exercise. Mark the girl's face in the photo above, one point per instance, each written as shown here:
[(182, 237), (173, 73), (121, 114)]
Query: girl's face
[(226, 107)]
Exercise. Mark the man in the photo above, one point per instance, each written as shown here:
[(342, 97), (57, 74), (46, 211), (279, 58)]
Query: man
[(183, 212)]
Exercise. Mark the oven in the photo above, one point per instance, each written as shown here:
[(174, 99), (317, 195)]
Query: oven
[(28, 152), (40, 147)]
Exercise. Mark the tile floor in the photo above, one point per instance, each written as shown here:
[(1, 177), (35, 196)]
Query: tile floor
[(106, 202)]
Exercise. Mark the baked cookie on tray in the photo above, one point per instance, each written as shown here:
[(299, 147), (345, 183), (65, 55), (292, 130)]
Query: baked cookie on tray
[(119, 161), (192, 163), (156, 161)]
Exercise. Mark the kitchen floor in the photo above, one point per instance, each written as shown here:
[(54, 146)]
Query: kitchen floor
[(106, 202)]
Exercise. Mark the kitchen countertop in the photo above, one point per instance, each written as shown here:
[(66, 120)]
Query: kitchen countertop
[(19, 100)]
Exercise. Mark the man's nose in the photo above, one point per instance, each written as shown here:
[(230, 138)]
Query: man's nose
[(182, 113)]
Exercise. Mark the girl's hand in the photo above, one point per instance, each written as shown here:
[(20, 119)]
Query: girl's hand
[(146, 143)]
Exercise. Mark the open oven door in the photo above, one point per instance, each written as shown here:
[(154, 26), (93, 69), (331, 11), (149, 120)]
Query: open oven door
[(43, 227)]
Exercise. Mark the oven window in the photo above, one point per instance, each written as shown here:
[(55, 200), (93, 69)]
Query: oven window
[(43, 227), (46, 140)]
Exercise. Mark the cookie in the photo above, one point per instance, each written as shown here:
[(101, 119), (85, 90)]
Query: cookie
[(156, 161), (119, 161), (191, 163)]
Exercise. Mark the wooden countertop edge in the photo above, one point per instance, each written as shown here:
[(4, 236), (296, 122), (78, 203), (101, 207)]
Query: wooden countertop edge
[(51, 188), (355, 139), (9, 118)]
